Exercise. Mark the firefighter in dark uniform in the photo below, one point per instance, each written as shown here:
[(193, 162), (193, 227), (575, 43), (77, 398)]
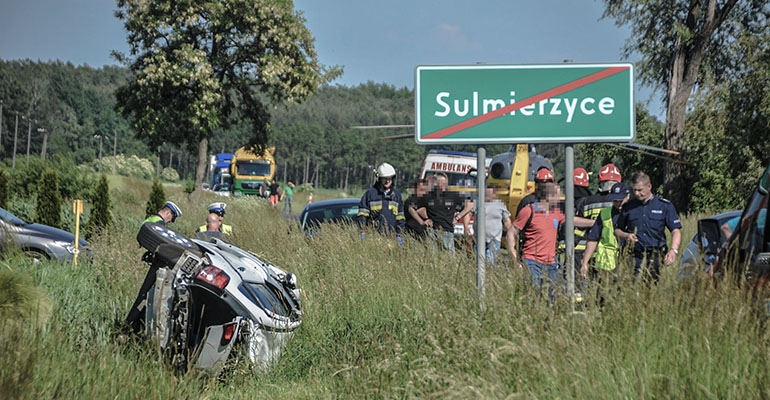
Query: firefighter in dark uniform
[(643, 223), (589, 207), (381, 204)]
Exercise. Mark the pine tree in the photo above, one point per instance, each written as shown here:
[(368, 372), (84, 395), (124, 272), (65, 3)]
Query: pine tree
[(157, 198), (4, 187), (100, 213), (49, 199)]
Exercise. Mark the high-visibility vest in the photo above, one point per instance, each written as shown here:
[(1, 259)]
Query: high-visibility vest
[(225, 229), (606, 256)]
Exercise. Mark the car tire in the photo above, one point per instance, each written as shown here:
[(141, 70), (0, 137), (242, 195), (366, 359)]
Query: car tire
[(37, 255), (152, 235)]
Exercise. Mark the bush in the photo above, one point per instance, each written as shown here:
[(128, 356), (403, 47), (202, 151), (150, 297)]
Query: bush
[(189, 186), (132, 166), (4, 186), (49, 199), (169, 174), (157, 198), (100, 213), (74, 182)]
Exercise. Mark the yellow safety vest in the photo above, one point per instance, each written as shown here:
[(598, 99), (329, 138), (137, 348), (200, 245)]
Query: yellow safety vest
[(606, 256), (225, 229)]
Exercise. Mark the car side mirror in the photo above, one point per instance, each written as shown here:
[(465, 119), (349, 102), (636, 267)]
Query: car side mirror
[(709, 237)]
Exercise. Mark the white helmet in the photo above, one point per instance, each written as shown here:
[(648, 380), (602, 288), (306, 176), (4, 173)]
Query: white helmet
[(386, 170)]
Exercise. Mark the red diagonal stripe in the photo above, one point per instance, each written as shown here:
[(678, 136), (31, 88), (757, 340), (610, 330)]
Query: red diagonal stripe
[(469, 123)]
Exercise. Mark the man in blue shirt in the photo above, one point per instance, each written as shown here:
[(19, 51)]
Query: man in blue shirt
[(643, 223)]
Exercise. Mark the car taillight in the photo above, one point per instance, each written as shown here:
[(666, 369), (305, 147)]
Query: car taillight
[(227, 333), (213, 276)]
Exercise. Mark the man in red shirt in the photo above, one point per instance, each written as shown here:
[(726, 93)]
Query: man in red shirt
[(539, 223)]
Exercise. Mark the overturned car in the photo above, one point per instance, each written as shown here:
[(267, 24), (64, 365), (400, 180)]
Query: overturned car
[(208, 304)]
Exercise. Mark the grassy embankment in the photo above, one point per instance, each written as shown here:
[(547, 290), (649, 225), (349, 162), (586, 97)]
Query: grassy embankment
[(380, 322)]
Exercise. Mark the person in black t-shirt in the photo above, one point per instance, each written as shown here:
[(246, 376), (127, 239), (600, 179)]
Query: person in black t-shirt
[(416, 216), (440, 207)]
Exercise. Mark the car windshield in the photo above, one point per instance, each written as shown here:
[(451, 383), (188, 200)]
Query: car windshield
[(10, 218), (259, 168), (332, 214)]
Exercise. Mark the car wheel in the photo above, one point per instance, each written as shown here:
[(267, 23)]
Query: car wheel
[(37, 255), (152, 235)]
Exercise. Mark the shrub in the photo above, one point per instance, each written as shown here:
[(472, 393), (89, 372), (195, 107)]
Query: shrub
[(75, 182), (4, 186), (157, 198), (100, 213), (169, 174), (132, 166), (49, 199), (189, 186)]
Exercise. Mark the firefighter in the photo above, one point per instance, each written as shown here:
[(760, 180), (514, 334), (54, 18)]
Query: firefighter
[(381, 205)]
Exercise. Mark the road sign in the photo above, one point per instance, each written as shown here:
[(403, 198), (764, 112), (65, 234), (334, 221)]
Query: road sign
[(559, 103)]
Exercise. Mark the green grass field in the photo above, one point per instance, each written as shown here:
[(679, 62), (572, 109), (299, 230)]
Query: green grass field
[(381, 321)]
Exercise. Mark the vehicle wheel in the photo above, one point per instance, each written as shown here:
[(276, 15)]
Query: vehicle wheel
[(152, 235), (36, 255)]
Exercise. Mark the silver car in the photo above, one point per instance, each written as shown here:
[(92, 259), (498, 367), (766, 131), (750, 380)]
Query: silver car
[(41, 242), (214, 303)]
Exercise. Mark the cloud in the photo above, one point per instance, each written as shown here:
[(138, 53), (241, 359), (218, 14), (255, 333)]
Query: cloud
[(452, 37)]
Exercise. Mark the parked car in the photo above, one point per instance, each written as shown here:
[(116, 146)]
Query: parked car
[(693, 258), (328, 211), (41, 242), (746, 254)]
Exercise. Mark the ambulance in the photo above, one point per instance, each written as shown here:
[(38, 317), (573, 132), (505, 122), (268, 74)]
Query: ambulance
[(459, 167)]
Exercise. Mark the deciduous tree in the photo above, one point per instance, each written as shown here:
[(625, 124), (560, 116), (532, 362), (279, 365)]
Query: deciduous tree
[(681, 41), (201, 65)]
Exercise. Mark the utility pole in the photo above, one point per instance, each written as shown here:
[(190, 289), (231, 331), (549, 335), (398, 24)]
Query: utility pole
[(101, 139), (29, 136), (45, 141), (2, 149), (15, 138)]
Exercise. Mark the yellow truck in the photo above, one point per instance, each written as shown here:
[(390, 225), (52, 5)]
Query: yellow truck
[(251, 171)]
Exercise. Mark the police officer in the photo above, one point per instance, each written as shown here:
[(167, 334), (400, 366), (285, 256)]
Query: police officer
[(167, 214), (381, 204), (218, 209), (643, 223), (135, 318)]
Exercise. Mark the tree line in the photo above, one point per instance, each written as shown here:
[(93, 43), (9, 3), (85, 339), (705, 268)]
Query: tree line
[(320, 142)]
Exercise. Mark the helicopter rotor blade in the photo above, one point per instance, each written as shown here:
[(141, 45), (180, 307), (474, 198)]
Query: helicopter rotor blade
[(398, 137), (383, 126), (651, 148), (622, 146)]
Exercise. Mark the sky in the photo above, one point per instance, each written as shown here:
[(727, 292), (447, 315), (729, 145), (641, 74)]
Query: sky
[(382, 41)]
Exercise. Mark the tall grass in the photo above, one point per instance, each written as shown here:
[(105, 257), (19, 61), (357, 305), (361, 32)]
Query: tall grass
[(383, 321)]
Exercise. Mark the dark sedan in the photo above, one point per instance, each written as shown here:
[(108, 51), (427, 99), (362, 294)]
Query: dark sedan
[(326, 211), (692, 258), (41, 242)]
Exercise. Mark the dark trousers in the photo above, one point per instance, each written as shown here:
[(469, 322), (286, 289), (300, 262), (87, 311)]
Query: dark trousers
[(647, 263)]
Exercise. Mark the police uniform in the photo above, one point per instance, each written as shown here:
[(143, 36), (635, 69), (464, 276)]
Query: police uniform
[(649, 222)]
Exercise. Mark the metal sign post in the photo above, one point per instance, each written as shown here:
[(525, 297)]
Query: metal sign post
[(481, 229)]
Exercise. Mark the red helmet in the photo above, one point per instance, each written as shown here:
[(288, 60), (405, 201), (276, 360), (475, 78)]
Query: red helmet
[(544, 175), (610, 172), (580, 177)]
